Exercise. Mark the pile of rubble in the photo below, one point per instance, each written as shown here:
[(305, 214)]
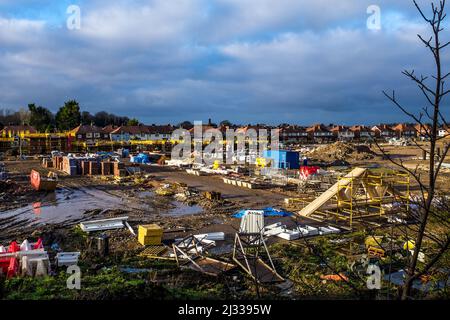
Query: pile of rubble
[(342, 151)]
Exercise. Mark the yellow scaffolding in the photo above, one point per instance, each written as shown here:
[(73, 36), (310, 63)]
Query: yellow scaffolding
[(363, 196)]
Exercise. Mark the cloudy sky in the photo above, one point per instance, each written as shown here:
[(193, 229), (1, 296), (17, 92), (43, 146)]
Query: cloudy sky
[(272, 61)]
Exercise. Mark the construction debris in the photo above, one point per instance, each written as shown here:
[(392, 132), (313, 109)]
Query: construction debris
[(104, 224), (248, 250), (156, 252), (189, 252), (150, 234), (67, 258)]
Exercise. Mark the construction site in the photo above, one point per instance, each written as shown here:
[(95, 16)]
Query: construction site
[(291, 224)]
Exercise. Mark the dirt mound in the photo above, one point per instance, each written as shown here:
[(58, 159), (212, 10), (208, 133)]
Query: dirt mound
[(342, 151)]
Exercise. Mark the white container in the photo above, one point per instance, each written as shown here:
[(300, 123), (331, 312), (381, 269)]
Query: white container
[(312, 231), (289, 235)]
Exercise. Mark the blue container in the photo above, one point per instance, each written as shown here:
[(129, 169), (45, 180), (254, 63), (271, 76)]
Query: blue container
[(141, 158), (283, 159)]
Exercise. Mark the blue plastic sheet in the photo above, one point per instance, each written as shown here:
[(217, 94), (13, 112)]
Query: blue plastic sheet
[(141, 158), (268, 212)]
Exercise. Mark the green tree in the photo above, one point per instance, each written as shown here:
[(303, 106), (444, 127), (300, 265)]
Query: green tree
[(133, 122), (41, 118), (87, 118), (186, 125), (68, 116), (226, 123)]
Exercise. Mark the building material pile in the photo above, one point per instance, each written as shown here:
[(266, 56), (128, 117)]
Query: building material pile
[(47, 163), (86, 166), (341, 151)]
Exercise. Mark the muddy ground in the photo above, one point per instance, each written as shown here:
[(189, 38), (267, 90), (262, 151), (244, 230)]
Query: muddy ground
[(79, 198), (28, 214)]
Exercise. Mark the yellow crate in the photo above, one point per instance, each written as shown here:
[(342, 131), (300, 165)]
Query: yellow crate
[(151, 230), (149, 240)]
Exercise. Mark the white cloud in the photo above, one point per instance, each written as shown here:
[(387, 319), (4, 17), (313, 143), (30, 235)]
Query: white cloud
[(157, 22), (20, 31)]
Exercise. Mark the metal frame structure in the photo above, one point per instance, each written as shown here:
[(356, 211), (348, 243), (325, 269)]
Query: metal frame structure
[(247, 249), (363, 196)]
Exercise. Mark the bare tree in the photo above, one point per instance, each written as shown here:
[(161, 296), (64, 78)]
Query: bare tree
[(434, 90)]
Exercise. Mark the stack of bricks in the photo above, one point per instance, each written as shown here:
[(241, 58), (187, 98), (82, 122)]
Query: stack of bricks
[(57, 163), (47, 163), (69, 166), (93, 168), (85, 168), (106, 168), (119, 169)]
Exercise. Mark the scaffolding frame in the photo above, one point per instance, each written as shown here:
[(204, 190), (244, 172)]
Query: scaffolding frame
[(363, 197)]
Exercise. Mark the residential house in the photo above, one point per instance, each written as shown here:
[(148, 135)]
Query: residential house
[(14, 131), (89, 134), (423, 131), (362, 132), (383, 131), (443, 131), (343, 133), (163, 132), (127, 133), (404, 130), (292, 134), (319, 132), (107, 131)]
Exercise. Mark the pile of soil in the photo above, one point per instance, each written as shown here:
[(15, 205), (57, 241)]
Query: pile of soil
[(342, 151)]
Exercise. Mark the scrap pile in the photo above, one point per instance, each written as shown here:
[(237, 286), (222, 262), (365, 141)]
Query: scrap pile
[(281, 231), (190, 253), (341, 151)]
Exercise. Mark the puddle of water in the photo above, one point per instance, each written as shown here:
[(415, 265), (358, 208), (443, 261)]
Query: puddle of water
[(145, 194), (64, 205), (182, 209), (179, 208), (68, 204)]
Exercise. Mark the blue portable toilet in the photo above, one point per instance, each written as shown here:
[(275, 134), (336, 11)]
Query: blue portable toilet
[(283, 159)]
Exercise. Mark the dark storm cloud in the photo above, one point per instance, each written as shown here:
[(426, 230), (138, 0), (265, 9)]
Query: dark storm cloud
[(242, 60)]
